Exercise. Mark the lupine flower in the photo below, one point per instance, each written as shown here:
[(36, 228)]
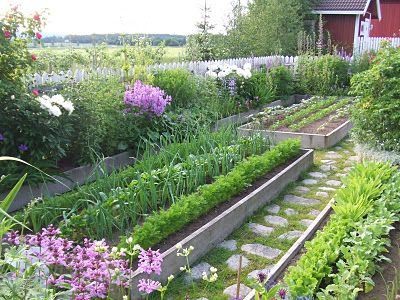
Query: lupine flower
[(146, 98), (148, 286), (261, 277), (35, 92), (23, 148), (282, 293), (1, 137), (150, 261), (7, 34), (33, 56), (38, 35)]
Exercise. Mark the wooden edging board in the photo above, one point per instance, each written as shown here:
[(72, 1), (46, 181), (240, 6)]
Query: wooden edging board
[(214, 232), (282, 264)]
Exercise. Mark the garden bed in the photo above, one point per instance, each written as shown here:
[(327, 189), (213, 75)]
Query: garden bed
[(208, 231), (318, 123)]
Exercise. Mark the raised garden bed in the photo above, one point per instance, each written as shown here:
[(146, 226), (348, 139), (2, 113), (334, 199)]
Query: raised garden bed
[(319, 123), (206, 233)]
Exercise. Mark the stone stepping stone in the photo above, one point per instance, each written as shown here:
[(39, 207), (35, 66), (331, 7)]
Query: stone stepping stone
[(353, 158), (306, 222), (291, 235), (302, 189), (276, 220), (336, 183), (243, 291), (310, 181), (341, 174), (228, 245), (346, 151), (292, 199), (347, 169), (317, 175), (322, 194), (260, 229), (333, 155), (328, 161), (233, 262), (290, 212), (266, 271), (273, 208), (327, 168), (261, 250), (197, 272), (328, 189), (314, 212), (338, 148)]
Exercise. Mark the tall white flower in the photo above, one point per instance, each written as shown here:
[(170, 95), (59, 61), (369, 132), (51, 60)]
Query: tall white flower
[(58, 99), (68, 106), (55, 111)]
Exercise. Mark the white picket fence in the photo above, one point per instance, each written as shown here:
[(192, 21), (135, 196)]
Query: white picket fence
[(373, 43), (196, 67)]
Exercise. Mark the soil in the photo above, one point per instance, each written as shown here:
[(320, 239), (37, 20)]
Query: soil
[(178, 236), (313, 127), (388, 271)]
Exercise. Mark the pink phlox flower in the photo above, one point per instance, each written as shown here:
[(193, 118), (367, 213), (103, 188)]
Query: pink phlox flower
[(148, 286), (150, 261)]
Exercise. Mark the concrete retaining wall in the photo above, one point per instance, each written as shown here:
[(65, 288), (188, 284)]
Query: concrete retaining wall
[(211, 234)]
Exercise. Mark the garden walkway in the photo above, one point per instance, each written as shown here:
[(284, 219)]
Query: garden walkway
[(266, 237)]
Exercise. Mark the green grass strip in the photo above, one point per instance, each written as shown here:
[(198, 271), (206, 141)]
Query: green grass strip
[(310, 107), (188, 208), (320, 114)]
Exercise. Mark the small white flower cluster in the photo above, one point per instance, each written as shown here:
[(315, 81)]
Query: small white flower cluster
[(221, 71), (53, 104), (213, 277)]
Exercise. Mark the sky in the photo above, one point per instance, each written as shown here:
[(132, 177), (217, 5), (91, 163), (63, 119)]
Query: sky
[(123, 16)]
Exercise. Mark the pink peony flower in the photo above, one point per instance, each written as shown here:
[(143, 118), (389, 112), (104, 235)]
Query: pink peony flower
[(38, 35), (35, 92), (7, 34), (36, 17), (33, 56)]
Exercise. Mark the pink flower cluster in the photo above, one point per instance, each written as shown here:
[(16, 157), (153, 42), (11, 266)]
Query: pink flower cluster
[(143, 98), (92, 268), (149, 261)]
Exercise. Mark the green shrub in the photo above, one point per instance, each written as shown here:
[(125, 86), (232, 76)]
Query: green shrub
[(376, 116), (188, 208), (282, 80), (261, 86), (180, 84), (325, 75)]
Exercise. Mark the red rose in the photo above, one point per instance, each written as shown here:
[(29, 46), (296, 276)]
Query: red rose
[(38, 35), (7, 34), (35, 92), (36, 17), (34, 57)]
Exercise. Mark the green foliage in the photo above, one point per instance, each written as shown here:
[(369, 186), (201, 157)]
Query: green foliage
[(262, 86), (282, 80), (188, 208), (376, 116), (180, 84), (324, 75)]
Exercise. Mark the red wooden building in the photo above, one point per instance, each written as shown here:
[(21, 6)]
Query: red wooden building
[(347, 20)]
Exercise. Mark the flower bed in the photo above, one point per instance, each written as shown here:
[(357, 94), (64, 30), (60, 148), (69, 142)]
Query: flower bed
[(318, 122)]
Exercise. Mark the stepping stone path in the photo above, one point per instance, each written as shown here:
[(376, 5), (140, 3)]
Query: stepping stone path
[(333, 155), (197, 272), (341, 174), (255, 273), (306, 222), (314, 212), (309, 181), (273, 208), (347, 169), (276, 220), (317, 175), (292, 199), (233, 262), (295, 234), (346, 151), (260, 229), (302, 189), (228, 245), (334, 183), (243, 291), (261, 250), (290, 212), (327, 168), (328, 161), (328, 189), (322, 194)]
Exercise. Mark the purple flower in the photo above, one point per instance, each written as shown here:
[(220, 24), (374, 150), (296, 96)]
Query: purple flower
[(23, 148), (148, 286), (282, 293), (1, 137), (12, 238), (150, 261), (146, 99), (232, 86), (261, 277)]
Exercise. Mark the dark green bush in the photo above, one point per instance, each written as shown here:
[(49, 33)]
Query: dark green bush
[(282, 80), (376, 116), (180, 84)]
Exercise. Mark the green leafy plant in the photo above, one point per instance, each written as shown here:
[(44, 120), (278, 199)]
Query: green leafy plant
[(282, 80)]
